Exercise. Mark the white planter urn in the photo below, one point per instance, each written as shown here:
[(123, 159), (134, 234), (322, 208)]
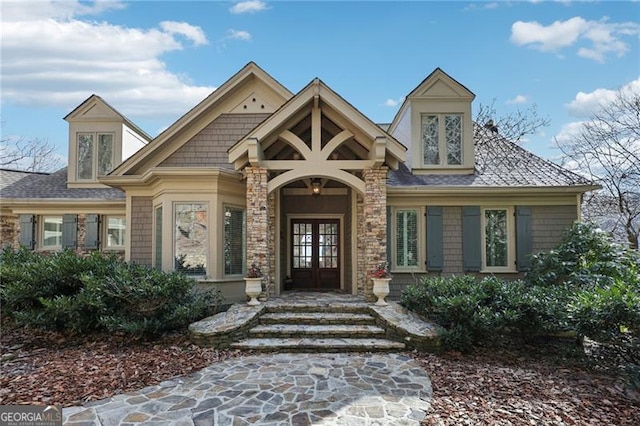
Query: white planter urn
[(253, 288), (381, 290)]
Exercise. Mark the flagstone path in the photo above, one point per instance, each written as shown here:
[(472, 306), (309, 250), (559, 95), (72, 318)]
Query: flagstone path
[(276, 389)]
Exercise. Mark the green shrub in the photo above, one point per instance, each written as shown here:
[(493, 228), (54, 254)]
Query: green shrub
[(611, 317), (586, 257), (474, 311), (68, 292)]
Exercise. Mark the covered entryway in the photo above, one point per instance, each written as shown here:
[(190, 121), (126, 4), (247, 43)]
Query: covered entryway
[(315, 254)]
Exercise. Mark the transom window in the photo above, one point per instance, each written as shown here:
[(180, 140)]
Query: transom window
[(442, 139), (51, 233), (96, 156), (191, 238), (234, 240), (406, 238), (498, 239)]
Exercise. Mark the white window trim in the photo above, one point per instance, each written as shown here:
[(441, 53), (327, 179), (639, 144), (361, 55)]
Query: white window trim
[(442, 143), (41, 232), (104, 233), (420, 240), (511, 241), (94, 171)]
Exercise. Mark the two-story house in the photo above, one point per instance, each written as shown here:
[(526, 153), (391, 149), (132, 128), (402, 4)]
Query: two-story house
[(303, 185)]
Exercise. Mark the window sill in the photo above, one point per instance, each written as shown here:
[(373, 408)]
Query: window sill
[(499, 271)]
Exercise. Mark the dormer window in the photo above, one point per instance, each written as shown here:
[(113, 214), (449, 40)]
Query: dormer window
[(441, 139), (95, 155)]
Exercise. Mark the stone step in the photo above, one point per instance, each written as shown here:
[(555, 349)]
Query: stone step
[(318, 345), (353, 308), (317, 318), (330, 331)]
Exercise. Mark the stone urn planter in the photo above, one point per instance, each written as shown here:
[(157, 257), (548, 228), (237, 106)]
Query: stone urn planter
[(381, 290), (253, 284), (253, 288)]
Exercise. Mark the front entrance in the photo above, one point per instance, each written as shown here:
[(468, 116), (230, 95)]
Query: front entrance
[(315, 254)]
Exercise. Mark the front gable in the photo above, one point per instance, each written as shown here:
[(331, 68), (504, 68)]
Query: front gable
[(250, 91), (317, 133)]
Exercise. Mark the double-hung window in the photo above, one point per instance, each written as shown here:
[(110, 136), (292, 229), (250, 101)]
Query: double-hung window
[(405, 235), (441, 139), (95, 155), (498, 239), (115, 230), (234, 240), (51, 233)]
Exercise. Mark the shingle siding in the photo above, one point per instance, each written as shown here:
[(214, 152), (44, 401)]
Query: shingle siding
[(452, 244), (141, 229), (209, 147), (549, 224)]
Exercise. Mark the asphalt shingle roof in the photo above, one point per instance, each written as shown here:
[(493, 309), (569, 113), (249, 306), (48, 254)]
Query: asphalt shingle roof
[(54, 186), (498, 163)]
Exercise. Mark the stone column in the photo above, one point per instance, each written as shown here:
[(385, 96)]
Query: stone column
[(375, 223), (257, 223)]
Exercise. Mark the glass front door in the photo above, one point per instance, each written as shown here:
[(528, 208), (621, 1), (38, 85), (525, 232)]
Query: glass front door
[(315, 254)]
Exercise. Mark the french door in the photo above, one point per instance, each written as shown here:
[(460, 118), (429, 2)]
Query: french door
[(315, 254)]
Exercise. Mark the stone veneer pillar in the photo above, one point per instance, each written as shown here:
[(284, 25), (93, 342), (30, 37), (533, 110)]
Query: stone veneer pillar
[(257, 224), (375, 224)]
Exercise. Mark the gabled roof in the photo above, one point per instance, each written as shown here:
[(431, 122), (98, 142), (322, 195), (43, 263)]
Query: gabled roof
[(317, 91), (106, 111), (499, 163), (437, 85), (54, 186), (251, 70)]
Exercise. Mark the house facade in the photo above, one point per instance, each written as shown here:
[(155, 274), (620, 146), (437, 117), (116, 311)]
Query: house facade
[(302, 185)]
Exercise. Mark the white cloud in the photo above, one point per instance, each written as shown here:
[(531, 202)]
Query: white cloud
[(53, 58), (238, 35), (585, 104), (250, 6), (601, 37), (393, 102), (195, 34), (519, 99)]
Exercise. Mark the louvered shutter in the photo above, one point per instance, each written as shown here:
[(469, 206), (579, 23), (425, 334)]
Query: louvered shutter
[(389, 258), (435, 257), (27, 231), (471, 238), (524, 237), (69, 231), (92, 232)]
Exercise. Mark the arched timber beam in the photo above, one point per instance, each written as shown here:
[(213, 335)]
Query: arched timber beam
[(335, 142), (317, 171), (292, 139)]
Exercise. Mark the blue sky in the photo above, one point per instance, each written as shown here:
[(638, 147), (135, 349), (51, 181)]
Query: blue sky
[(153, 61)]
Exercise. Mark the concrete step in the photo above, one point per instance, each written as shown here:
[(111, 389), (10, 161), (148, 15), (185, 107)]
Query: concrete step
[(330, 331), (318, 345), (317, 318)]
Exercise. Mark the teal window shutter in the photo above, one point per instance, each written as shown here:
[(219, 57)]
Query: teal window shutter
[(69, 230), (524, 237), (471, 240), (435, 257), (389, 237), (27, 231), (92, 232)]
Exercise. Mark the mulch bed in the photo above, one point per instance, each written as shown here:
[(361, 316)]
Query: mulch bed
[(539, 385)]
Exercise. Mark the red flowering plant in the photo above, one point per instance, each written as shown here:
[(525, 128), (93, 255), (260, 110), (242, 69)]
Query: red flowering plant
[(382, 271), (254, 272)]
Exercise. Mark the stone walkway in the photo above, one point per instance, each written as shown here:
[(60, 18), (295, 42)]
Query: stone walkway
[(276, 389)]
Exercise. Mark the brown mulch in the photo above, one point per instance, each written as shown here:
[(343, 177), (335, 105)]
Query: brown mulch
[(539, 385), (550, 383)]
